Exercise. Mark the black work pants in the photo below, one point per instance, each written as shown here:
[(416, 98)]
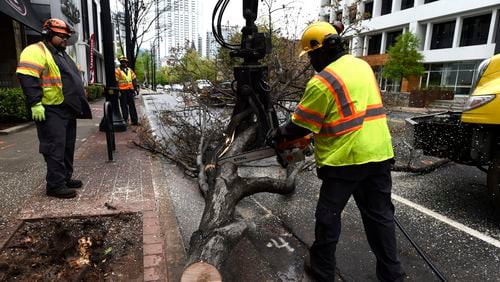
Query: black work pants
[(370, 184), (127, 105), (57, 138)]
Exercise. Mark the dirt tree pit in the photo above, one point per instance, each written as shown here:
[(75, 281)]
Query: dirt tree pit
[(99, 248)]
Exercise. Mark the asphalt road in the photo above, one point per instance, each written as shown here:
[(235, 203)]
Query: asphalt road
[(446, 211)]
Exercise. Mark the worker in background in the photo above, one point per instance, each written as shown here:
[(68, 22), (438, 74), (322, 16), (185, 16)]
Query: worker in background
[(54, 90), (126, 79), (342, 107)]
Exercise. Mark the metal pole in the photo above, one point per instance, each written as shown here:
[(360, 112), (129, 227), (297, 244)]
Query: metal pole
[(109, 68), (150, 66), (154, 67), (128, 36)]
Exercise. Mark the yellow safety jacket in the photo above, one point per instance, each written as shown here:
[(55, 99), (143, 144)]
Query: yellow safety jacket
[(36, 60), (342, 106), (125, 80)]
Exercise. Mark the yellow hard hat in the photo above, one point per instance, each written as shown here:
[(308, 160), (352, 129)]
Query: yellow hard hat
[(122, 58), (314, 34)]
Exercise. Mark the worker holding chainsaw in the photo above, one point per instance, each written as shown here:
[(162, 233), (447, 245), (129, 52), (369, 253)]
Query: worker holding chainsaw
[(343, 109)]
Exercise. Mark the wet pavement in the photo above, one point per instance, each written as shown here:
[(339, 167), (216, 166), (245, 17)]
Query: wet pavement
[(125, 185), (22, 168), (440, 209), (446, 211)]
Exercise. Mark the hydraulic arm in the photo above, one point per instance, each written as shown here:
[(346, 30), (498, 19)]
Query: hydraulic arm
[(252, 90)]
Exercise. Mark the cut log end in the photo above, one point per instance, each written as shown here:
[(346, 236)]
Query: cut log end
[(201, 272)]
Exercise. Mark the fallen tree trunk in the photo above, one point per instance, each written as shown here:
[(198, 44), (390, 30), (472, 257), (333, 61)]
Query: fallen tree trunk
[(219, 230)]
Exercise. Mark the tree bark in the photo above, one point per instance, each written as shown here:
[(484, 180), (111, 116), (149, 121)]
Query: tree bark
[(219, 231)]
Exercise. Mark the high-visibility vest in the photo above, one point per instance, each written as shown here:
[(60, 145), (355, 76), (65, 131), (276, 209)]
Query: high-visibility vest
[(36, 60), (124, 80), (342, 106)]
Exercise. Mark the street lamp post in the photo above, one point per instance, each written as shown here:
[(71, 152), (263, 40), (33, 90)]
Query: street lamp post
[(153, 63)]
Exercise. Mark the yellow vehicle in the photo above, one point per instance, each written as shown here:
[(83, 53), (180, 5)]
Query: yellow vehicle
[(471, 136)]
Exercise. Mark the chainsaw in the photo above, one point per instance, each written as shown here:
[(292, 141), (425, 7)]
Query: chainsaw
[(287, 152)]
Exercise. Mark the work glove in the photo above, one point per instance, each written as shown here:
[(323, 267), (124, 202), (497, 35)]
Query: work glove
[(273, 138), (38, 112)]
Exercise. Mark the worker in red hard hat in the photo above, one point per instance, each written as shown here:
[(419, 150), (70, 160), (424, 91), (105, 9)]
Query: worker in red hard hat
[(54, 90)]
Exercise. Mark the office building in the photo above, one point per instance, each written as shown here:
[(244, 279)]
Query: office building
[(21, 24), (180, 25), (455, 36), (212, 46)]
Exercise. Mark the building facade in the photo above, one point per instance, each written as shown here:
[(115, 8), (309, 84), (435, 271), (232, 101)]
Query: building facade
[(455, 36), (19, 32)]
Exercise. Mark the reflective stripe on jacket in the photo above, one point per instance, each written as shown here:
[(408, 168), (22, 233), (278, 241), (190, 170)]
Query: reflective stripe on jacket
[(36, 60), (124, 80), (342, 106)]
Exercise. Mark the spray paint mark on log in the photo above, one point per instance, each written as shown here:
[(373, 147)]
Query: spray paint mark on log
[(283, 244)]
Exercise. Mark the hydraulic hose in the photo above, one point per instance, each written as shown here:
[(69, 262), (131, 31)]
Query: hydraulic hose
[(420, 252)]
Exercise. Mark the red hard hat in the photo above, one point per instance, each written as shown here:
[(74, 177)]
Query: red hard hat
[(57, 25)]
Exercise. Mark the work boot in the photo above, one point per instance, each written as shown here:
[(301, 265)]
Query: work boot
[(308, 271), (61, 192), (74, 183)]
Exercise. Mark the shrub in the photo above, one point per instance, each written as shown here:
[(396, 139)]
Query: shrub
[(12, 105), (94, 91)]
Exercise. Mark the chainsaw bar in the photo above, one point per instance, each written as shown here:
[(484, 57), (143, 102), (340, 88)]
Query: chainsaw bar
[(249, 156)]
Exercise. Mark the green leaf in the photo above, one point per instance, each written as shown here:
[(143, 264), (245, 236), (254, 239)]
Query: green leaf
[(404, 58)]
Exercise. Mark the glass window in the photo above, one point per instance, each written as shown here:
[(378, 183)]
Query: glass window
[(386, 7), (405, 4), (368, 10), (462, 90), (449, 78), (456, 76), (338, 16), (424, 79), (85, 20), (96, 26), (393, 85), (435, 78), (442, 35), (353, 10), (374, 44), (465, 77), (391, 38), (475, 30), (436, 67)]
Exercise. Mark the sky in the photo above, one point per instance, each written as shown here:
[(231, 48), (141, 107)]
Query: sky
[(291, 21)]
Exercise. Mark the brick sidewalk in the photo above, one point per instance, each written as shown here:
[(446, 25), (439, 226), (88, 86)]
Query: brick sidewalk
[(125, 184)]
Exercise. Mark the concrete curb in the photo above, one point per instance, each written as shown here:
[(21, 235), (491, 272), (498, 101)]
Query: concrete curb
[(16, 128)]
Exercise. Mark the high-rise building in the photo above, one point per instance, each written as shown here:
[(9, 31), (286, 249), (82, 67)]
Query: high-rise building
[(455, 35), (212, 46), (180, 25)]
